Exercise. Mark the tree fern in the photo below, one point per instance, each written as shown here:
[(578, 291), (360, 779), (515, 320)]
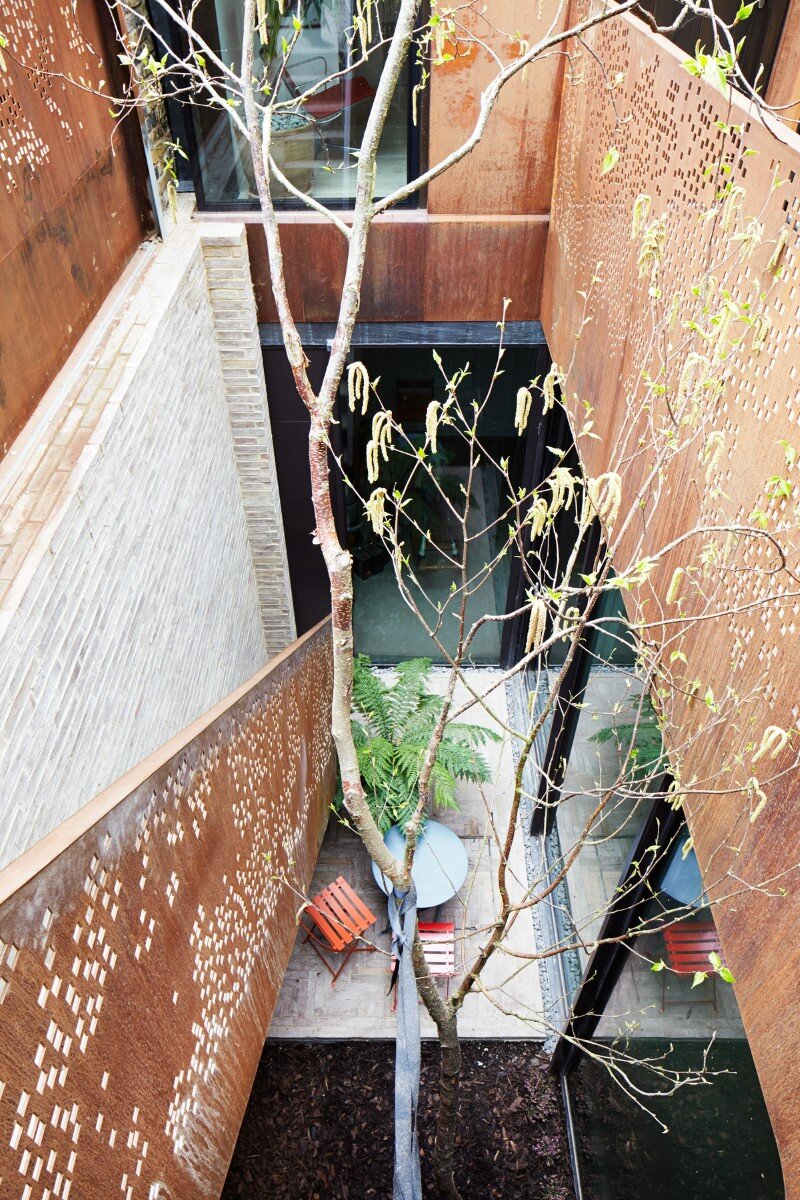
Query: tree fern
[(392, 728), (370, 698)]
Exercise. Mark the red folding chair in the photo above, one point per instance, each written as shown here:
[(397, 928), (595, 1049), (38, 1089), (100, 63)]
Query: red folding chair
[(439, 947), (688, 945), (340, 918)]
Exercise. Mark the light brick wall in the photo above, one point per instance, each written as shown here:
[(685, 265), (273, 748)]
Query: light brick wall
[(129, 601), (234, 310)]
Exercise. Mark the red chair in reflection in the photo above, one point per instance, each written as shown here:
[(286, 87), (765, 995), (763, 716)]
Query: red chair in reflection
[(688, 945), (333, 101)]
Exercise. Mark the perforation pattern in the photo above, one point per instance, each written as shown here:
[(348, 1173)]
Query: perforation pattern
[(671, 137), (45, 44), (672, 134), (139, 969)]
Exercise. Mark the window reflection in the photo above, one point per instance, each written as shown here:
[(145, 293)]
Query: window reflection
[(316, 138)]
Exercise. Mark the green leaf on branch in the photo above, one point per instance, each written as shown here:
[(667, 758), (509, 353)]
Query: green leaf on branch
[(724, 972), (699, 977), (713, 68), (610, 160)]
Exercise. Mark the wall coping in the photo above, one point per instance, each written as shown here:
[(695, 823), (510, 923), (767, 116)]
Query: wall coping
[(25, 868)]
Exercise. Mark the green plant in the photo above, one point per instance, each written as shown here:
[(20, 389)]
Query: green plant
[(640, 742), (392, 727)]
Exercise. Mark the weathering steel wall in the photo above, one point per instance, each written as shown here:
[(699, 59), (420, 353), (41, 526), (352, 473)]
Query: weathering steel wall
[(74, 207), (479, 235), (671, 137), (143, 944)]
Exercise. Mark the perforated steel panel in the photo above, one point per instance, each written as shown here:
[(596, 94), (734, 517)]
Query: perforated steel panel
[(74, 206), (671, 135), (140, 965)]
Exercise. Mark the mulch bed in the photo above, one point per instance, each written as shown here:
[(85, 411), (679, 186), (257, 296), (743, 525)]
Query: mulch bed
[(320, 1122)]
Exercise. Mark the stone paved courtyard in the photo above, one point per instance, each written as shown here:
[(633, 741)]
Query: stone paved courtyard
[(358, 1006)]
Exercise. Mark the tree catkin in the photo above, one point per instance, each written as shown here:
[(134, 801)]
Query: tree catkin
[(536, 625)]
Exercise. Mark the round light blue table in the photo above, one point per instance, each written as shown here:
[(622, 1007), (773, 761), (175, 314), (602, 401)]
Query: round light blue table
[(440, 863)]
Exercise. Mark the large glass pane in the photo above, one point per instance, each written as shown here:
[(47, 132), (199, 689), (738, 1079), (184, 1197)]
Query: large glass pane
[(718, 1143), (385, 626), (599, 836), (761, 33), (315, 141), (650, 1139)]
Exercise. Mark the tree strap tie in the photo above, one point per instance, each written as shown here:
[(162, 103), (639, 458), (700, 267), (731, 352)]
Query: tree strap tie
[(403, 921)]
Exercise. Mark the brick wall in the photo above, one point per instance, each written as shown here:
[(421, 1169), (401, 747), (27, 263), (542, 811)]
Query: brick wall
[(234, 312), (129, 600)]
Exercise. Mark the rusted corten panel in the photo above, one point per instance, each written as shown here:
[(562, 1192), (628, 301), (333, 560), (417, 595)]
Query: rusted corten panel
[(511, 169), (74, 205), (144, 944), (670, 138), (418, 268)]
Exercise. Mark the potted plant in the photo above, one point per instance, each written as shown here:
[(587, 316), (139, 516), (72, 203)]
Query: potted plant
[(292, 146)]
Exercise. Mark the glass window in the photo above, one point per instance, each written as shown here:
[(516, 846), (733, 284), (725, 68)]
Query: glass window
[(650, 1140), (315, 141), (718, 1143), (761, 32), (385, 627)]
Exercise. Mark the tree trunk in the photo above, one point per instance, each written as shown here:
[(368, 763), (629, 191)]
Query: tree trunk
[(447, 1117)]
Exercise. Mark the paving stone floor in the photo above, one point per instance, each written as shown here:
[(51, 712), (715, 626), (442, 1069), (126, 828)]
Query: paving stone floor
[(358, 1006), (635, 1004)]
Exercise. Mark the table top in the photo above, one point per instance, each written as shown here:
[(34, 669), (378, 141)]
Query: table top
[(440, 863), (683, 881)]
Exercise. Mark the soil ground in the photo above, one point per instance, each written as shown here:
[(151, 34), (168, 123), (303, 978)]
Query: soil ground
[(320, 1122)]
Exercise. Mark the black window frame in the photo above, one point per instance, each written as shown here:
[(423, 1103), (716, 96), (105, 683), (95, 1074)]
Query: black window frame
[(182, 125)]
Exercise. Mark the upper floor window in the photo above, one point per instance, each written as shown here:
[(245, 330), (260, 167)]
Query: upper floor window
[(761, 32), (315, 141)]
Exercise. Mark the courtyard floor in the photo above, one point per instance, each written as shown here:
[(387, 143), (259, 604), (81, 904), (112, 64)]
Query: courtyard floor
[(510, 1006), (358, 1006)]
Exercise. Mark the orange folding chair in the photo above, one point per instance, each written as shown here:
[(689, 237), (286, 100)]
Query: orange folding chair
[(439, 947), (688, 945), (339, 919)]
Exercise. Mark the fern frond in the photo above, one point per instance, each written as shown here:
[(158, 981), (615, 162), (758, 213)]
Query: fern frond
[(444, 786), (463, 762), (409, 757), (370, 698), (376, 763), (408, 691), (420, 726), (470, 735)]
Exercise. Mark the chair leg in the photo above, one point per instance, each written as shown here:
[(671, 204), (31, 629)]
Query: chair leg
[(345, 961), (353, 949), (310, 938)]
